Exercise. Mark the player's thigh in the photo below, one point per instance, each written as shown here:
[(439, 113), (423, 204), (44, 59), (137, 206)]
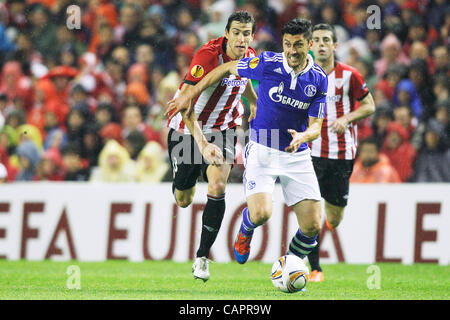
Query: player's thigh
[(298, 178), (182, 156), (337, 185), (217, 178), (259, 175), (309, 213), (260, 207)]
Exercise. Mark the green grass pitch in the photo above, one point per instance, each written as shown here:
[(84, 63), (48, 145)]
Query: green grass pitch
[(173, 281)]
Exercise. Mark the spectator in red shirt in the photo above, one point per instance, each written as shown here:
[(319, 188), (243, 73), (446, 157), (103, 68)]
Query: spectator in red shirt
[(372, 166), (132, 120), (400, 152), (51, 166)]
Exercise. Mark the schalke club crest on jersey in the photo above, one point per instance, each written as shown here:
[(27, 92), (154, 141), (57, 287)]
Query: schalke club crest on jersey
[(310, 90)]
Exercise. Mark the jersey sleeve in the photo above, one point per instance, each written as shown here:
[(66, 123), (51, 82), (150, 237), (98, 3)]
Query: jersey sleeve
[(205, 60), (318, 106), (252, 67), (358, 87)]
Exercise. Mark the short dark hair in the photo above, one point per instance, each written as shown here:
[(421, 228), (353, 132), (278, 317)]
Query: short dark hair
[(327, 27), (71, 149), (242, 17), (298, 26), (369, 140)]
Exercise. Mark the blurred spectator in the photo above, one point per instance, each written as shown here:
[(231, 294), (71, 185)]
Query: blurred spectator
[(440, 60), (42, 31), (433, 163), (391, 52), (403, 115), (388, 83), (105, 114), (61, 76), (132, 121), (441, 87), (91, 144), (14, 84), (75, 124), (400, 152), (151, 165), (50, 167), (127, 32), (381, 119), (56, 138), (372, 166), (105, 44), (406, 94), (75, 170), (134, 142), (422, 80), (29, 158), (115, 164), (111, 131)]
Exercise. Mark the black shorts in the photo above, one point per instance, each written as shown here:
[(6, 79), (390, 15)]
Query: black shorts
[(333, 176), (187, 161)]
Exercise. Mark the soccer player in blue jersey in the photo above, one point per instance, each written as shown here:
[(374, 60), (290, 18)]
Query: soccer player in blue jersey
[(290, 110)]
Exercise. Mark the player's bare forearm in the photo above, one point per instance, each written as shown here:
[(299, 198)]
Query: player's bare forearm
[(250, 95), (366, 108), (310, 134), (190, 119), (176, 105), (210, 151)]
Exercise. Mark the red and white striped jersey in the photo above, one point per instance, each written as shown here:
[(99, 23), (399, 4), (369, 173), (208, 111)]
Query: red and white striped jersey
[(346, 86), (218, 106)]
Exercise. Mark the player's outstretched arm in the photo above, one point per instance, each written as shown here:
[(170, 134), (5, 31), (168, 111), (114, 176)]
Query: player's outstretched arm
[(210, 151), (366, 108), (310, 134), (182, 101)]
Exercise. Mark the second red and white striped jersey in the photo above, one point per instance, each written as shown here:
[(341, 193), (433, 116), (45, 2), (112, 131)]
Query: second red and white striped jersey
[(346, 86), (219, 106)]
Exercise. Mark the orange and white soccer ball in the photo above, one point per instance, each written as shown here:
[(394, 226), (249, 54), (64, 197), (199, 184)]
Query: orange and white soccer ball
[(290, 274)]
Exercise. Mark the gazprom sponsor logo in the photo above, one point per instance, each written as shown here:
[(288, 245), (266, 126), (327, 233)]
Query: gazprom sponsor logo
[(234, 82), (275, 96)]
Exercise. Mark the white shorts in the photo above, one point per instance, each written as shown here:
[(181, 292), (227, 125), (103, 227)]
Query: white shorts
[(263, 165)]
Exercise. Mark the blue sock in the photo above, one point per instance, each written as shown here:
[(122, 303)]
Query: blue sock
[(302, 245), (247, 225)]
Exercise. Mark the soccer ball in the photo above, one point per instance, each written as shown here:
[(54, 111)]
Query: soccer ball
[(290, 274)]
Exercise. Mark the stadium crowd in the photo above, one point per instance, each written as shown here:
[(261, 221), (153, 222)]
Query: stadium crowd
[(87, 104)]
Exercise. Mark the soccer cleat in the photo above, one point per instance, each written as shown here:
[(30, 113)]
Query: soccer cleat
[(316, 276), (200, 268), (242, 247)]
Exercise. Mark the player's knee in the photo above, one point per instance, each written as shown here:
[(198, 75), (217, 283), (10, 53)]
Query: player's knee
[(184, 201), (312, 228), (334, 221), (260, 215)]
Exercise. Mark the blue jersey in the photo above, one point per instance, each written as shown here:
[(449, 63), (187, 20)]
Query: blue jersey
[(286, 100)]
